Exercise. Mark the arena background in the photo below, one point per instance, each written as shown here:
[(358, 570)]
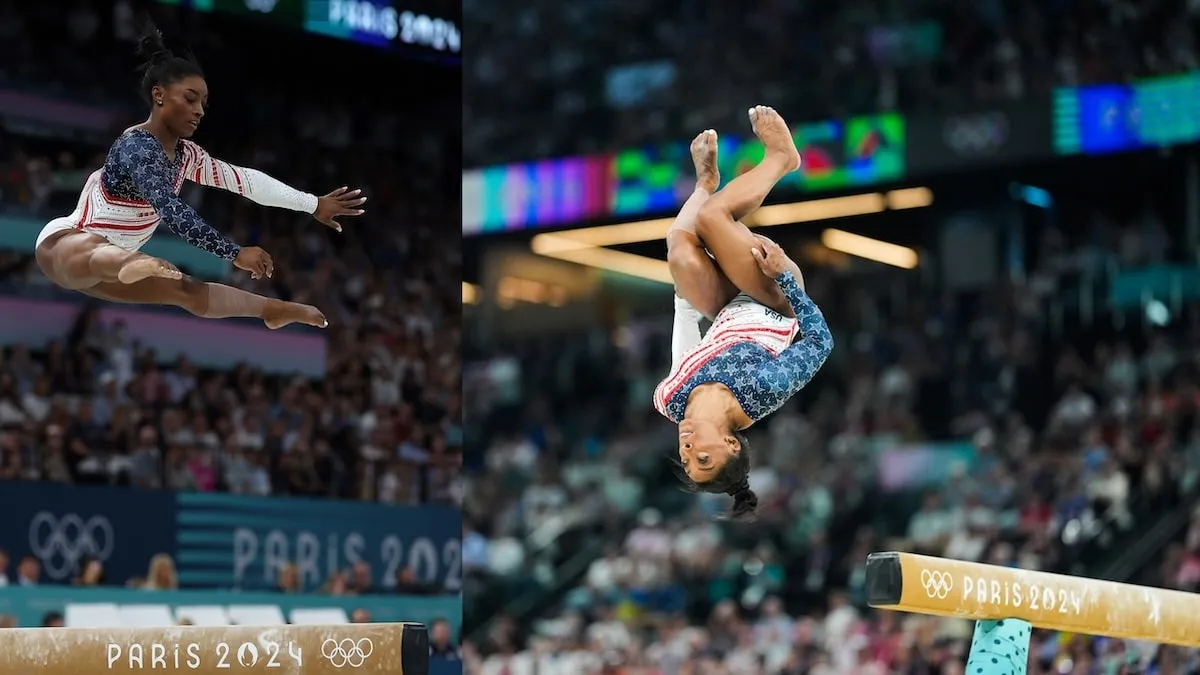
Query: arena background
[(1024, 394), (152, 462)]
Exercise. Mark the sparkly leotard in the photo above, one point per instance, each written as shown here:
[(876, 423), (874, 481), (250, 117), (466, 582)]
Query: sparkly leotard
[(760, 380), (138, 188)]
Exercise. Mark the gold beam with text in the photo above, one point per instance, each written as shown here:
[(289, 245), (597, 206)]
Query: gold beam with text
[(394, 649), (965, 590)]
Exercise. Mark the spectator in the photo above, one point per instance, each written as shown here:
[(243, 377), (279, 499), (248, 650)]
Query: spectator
[(475, 551), (161, 575), (440, 645), (360, 577), (289, 579), (1109, 491), (29, 570), (931, 525), (91, 572)]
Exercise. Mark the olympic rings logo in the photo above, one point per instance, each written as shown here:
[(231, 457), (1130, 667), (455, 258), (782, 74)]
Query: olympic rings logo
[(976, 134), (937, 583), (60, 542), (347, 652)]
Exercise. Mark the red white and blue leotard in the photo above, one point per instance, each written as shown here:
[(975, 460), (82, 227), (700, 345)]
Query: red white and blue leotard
[(138, 188), (749, 349)]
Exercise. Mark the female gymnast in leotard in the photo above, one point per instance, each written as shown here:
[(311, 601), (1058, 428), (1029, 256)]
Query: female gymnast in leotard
[(95, 250), (749, 363)]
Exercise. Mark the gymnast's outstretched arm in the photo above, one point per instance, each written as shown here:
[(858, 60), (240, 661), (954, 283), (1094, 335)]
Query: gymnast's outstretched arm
[(252, 184)]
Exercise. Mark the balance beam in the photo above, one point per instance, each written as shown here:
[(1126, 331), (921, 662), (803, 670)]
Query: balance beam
[(394, 649), (964, 590), (1008, 603)]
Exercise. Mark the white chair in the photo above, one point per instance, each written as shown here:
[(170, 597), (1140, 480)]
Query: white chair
[(146, 616), (202, 615), (92, 615), (256, 615), (319, 616)]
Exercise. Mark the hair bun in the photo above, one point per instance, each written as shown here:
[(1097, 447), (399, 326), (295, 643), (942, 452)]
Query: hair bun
[(151, 46)]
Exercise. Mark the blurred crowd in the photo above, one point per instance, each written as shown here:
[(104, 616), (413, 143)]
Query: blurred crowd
[(384, 422), (161, 576), (99, 409), (552, 78), (1046, 444)]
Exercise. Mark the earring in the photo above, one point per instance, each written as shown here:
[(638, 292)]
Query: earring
[(160, 102)]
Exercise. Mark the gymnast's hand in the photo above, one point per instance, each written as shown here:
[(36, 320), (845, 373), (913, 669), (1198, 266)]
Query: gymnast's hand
[(341, 202), (771, 259), (255, 261)]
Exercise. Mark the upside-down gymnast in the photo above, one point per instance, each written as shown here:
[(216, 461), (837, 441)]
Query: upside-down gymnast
[(95, 250), (747, 366)]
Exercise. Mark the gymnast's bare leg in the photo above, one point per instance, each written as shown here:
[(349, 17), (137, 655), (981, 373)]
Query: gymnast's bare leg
[(88, 263), (698, 280), (718, 226)]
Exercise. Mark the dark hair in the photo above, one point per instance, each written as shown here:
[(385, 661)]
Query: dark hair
[(733, 479), (82, 565), (160, 66)]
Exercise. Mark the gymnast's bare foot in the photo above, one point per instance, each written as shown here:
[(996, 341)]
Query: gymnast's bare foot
[(279, 313), (145, 267), (770, 128), (704, 156)]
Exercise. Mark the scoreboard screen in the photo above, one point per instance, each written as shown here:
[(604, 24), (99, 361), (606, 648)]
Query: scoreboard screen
[(415, 26)]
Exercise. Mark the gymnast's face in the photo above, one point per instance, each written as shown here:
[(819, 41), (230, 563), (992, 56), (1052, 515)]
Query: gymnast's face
[(183, 104), (705, 447)]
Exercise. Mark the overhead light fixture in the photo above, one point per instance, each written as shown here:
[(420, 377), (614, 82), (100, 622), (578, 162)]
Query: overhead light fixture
[(470, 294), (607, 259), (589, 245), (819, 209), (615, 235), (909, 198), (870, 249)]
